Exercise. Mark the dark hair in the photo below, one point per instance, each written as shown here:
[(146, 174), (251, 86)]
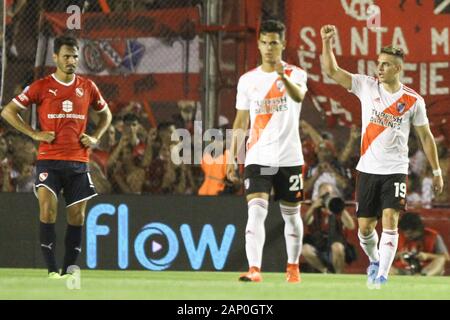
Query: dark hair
[(165, 125), (64, 40), (411, 221), (130, 117), (393, 51), (274, 26)]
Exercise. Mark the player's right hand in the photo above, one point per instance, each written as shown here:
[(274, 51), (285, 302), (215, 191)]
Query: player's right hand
[(231, 173), (328, 32), (44, 136), (438, 184)]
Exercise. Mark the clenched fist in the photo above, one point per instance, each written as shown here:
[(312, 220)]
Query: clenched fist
[(328, 32)]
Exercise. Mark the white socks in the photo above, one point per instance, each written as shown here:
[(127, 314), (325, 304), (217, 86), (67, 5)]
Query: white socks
[(386, 252), (255, 234), (388, 248), (293, 232), (370, 245)]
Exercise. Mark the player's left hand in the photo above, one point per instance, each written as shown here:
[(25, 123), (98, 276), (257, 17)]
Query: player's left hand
[(88, 141), (438, 184), (279, 68)]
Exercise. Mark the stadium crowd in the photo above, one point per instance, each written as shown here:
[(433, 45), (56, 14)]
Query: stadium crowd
[(134, 157)]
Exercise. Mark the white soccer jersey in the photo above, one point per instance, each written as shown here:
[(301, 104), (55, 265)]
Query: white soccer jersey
[(386, 121), (274, 138)]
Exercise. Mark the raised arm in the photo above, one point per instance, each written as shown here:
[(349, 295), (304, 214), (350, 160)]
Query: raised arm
[(341, 76), (296, 91)]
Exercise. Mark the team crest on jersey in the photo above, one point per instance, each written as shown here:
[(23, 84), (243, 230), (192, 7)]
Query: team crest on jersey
[(79, 92), (67, 106), (280, 85), (43, 176), (401, 107), (247, 183)]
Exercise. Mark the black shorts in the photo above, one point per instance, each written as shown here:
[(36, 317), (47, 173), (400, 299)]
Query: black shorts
[(375, 192), (286, 181), (72, 177)]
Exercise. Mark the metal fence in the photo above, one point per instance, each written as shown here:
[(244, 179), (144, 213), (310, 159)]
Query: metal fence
[(168, 63)]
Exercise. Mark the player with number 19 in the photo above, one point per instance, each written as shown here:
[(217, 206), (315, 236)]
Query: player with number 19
[(388, 109)]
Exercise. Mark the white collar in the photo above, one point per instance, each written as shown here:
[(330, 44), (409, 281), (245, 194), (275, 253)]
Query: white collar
[(64, 83)]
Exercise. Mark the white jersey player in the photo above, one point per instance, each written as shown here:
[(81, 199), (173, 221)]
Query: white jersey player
[(270, 97), (388, 109)]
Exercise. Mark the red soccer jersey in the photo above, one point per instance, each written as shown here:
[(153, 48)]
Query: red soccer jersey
[(62, 108)]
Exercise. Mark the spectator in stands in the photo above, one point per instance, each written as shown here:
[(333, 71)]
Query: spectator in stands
[(327, 170), (163, 176), (324, 163), (414, 196), (214, 167), (127, 176), (325, 246), (101, 182), (421, 250), (5, 167), (24, 177), (351, 149), (417, 158), (104, 148), (129, 138), (117, 122), (185, 117), (24, 153), (155, 139)]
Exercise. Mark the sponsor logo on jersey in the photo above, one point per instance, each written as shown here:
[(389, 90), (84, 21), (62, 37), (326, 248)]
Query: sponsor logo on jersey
[(53, 91), (43, 176), (271, 105), (247, 183), (385, 119), (66, 116), (79, 92), (67, 106)]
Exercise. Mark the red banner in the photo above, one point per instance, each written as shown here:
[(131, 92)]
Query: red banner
[(420, 28), (153, 56)]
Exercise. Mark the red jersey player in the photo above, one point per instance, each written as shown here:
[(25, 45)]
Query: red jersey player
[(63, 99)]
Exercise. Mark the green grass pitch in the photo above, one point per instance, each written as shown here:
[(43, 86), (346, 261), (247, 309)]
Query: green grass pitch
[(169, 285)]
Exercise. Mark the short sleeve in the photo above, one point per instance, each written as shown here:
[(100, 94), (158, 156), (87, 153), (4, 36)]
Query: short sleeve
[(300, 77), (358, 83), (420, 115), (97, 102), (242, 99), (29, 96)]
